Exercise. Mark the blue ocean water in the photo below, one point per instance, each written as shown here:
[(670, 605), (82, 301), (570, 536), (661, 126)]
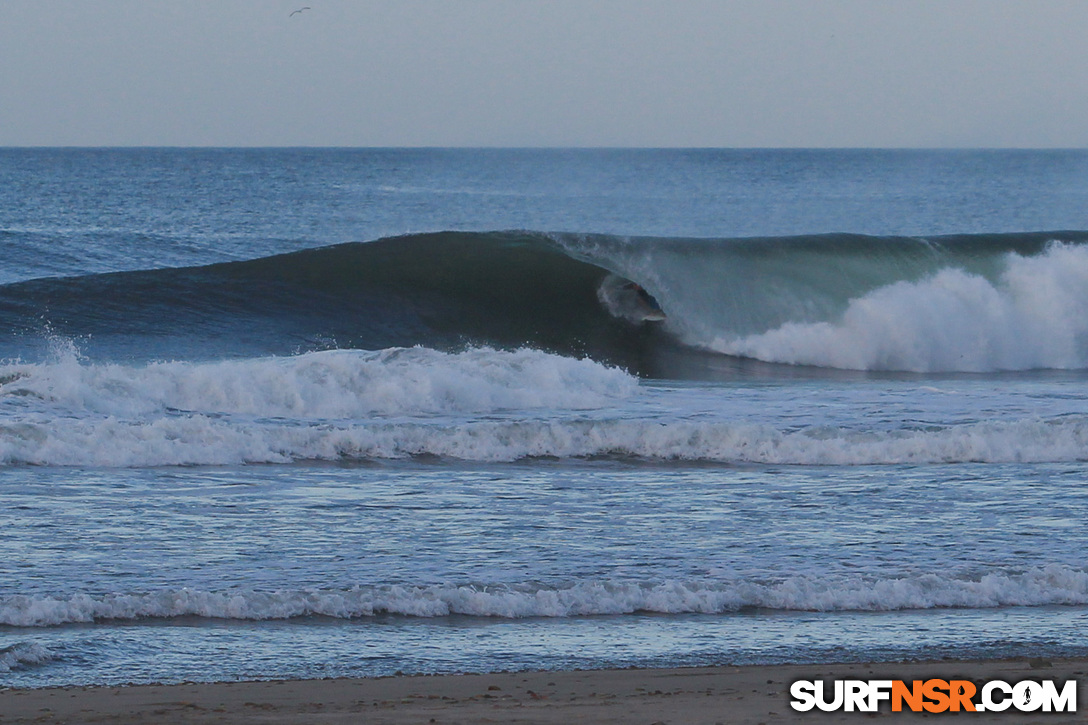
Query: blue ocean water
[(312, 412)]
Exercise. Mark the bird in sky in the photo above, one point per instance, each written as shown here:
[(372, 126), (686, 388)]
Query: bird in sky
[(299, 11)]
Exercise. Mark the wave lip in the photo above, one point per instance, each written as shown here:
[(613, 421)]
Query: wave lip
[(1040, 586)]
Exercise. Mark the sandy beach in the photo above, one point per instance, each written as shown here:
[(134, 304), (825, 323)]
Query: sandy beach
[(692, 696)]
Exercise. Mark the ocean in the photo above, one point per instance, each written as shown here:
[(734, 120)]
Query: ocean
[(294, 413)]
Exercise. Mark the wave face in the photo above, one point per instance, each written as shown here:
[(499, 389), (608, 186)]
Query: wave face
[(438, 290), (961, 303), (1040, 586)]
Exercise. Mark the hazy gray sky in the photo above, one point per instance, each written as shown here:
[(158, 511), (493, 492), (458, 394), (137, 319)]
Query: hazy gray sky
[(902, 73)]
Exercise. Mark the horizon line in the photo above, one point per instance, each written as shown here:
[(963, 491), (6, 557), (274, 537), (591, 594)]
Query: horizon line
[(573, 147)]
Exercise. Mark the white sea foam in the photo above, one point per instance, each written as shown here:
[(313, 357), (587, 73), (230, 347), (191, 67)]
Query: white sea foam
[(208, 440), (479, 405), (320, 385), (1034, 316), (23, 654), (1050, 585)]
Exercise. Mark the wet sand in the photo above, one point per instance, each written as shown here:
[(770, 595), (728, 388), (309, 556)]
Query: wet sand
[(687, 696)]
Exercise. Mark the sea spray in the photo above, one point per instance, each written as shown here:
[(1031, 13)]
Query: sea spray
[(1035, 315)]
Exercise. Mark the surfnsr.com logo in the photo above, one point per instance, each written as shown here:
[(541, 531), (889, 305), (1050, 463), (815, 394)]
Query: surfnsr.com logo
[(934, 695)]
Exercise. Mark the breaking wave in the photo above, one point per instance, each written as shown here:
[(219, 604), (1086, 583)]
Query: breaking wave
[(23, 655), (1033, 316), (478, 405), (205, 440), (328, 384), (1050, 585), (972, 303)]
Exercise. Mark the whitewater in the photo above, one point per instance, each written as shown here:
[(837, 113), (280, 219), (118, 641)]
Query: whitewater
[(431, 411), (490, 405)]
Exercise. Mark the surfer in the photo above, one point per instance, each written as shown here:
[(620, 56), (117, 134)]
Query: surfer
[(652, 310), (627, 300)]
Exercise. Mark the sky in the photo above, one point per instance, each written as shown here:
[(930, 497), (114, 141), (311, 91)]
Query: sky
[(700, 73)]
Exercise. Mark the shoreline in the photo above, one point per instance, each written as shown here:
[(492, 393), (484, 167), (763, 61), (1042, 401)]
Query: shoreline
[(723, 694)]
